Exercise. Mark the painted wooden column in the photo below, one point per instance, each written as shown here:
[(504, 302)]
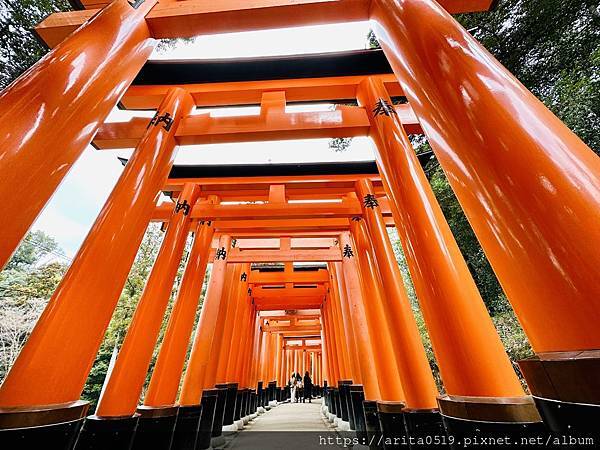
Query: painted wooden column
[(528, 185), (369, 356), (229, 324), (49, 115), (49, 372), (470, 355), (339, 296), (194, 380), (167, 372), (120, 397), (212, 369), (387, 366)]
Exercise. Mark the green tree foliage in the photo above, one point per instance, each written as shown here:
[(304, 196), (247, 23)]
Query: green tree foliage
[(26, 284), (553, 48), (19, 48)]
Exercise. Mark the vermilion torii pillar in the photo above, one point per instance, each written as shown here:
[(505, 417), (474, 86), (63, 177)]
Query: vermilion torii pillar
[(70, 330), (339, 296), (529, 186), (381, 340), (49, 115), (195, 380), (120, 397), (471, 356), (368, 355), (167, 372)]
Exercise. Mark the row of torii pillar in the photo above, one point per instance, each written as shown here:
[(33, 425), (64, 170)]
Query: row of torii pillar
[(529, 187)]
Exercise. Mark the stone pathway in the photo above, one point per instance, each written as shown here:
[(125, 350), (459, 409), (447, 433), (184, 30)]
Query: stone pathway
[(285, 427)]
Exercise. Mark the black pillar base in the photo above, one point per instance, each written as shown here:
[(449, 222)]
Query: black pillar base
[(54, 429), (253, 402), (421, 425), (391, 421), (100, 433), (372, 424), (209, 405), (239, 397), (245, 403), (357, 397), (259, 394), (186, 428), (155, 428), (271, 391), (230, 403), (333, 407), (468, 419), (217, 429), (566, 389), (345, 402)]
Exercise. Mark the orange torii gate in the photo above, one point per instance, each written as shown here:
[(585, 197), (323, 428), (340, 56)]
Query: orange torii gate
[(529, 187)]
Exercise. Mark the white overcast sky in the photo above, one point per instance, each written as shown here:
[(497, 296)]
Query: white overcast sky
[(71, 212)]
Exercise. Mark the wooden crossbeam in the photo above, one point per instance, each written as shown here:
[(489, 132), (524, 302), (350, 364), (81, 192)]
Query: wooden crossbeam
[(250, 92), (263, 256), (259, 278), (178, 19), (344, 121), (285, 293), (277, 211)]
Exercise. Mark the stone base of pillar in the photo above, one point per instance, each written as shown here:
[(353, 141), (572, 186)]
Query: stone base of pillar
[(56, 427), (330, 417), (155, 428), (343, 425), (421, 423), (229, 430), (219, 410), (566, 389), (218, 442), (253, 416), (239, 424), (391, 422), (273, 403), (357, 397), (372, 424), (107, 432), (209, 405), (466, 417), (261, 410)]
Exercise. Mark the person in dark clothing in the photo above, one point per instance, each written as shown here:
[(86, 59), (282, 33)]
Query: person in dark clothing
[(307, 388)]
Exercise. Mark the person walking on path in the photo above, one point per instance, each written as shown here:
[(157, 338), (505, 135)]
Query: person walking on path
[(293, 384), (307, 388)]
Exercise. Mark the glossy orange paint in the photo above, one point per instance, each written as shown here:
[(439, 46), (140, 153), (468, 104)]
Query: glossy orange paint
[(250, 92), (194, 380), (385, 359), (332, 364), (176, 19), (122, 392), (166, 376), (339, 296), (327, 370), (341, 352), (344, 121), (49, 115), (228, 323), (470, 354), (98, 273), (366, 353), (227, 302), (529, 187), (417, 380), (240, 324)]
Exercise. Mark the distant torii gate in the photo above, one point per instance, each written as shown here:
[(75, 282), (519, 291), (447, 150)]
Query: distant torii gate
[(529, 187)]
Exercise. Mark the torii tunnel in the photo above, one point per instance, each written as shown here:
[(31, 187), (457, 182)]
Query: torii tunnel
[(304, 276)]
